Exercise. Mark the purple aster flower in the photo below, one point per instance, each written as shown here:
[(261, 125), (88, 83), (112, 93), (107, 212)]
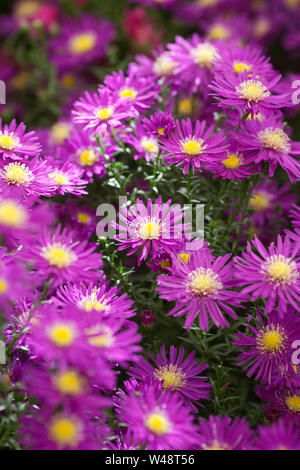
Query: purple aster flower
[(98, 112), (62, 258), (286, 400), (81, 42), (181, 376), (67, 178), (150, 228), (271, 273), (144, 143), (13, 285), (267, 350), (15, 143), (244, 59), (188, 146), (201, 287), (159, 124), (295, 216), (26, 179), (233, 28), (101, 298), (159, 420), (84, 153), (224, 433), (160, 66), (81, 219), (65, 430), (282, 435), (248, 94), (139, 92), (266, 141)]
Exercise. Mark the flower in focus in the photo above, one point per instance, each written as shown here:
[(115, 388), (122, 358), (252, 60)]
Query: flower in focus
[(16, 144)]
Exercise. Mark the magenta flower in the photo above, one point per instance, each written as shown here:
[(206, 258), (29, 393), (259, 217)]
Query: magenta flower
[(67, 178), (20, 180), (271, 273), (266, 141), (62, 258), (248, 94), (281, 435), (285, 400), (223, 433), (101, 111), (13, 284), (159, 124), (188, 146), (159, 420), (81, 42), (15, 143), (179, 375), (84, 153), (100, 298), (267, 350), (150, 228), (144, 143), (232, 165), (139, 92), (202, 287)]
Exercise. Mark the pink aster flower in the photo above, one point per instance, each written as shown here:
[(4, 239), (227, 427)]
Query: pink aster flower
[(267, 350), (159, 124), (224, 433), (159, 420), (84, 153), (281, 435), (16, 144), (266, 141), (271, 273), (67, 178), (144, 143), (178, 374), (13, 285), (139, 92), (81, 42), (248, 94), (61, 257), (192, 146), (101, 298), (101, 111), (20, 180), (202, 287), (285, 400), (149, 228)]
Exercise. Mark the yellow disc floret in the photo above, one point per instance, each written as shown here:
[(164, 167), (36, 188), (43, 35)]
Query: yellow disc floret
[(17, 173), (232, 161), (158, 423), (275, 139), (58, 255), (171, 376), (280, 270), (8, 141), (204, 54), (82, 43), (252, 90), (204, 282), (293, 403), (65, 430), (69, 382), (12, 214), (62, 334), (192, 146), (271, 339)]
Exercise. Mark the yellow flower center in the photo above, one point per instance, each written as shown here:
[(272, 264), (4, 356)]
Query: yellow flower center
[(204, 54), (171, 376), (293, 403), (17, 173), (11, 214), (218, 32), (62, 334), (88, 157), (164, 65), (69, 382), (58, 255), (271, 339), (258, 116), (161, 131), (275, 139), (157, 423), (165, 264), (184, 257), (105, 113), (128, 93), (232, 162), (240, 67), (192, 146), (280, 270), (65, 431), (82, 43), (8, 142), (149, 230), (252, 90), (149, 145), (204, 282), (58, 177), (91, 302), (260, 201), (60, 131), (185, 106), (83, 217), (261, 27), (3, 285)]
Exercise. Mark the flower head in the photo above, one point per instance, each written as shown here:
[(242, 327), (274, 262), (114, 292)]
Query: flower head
[(16, 144)]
